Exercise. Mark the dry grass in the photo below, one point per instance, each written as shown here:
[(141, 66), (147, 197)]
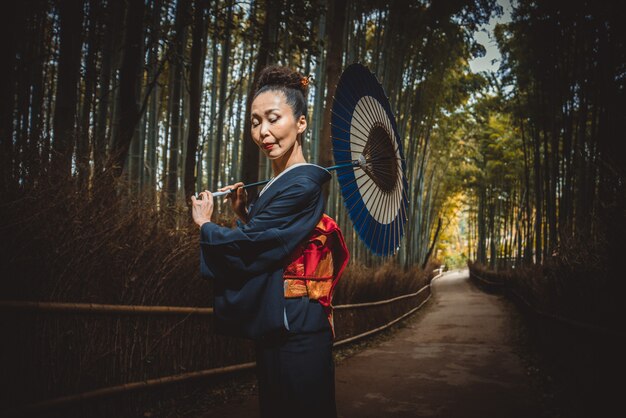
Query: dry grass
[(367, 284), (61, 245), (67, 245), (583, 292)]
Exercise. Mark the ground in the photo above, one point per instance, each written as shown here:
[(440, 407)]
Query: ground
[(463, 355)]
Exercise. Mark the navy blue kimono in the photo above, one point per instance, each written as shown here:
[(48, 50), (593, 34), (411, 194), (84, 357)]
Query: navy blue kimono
[(246, 263)]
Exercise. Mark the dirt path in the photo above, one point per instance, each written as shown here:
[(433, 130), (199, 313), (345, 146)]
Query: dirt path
[(456, 360)]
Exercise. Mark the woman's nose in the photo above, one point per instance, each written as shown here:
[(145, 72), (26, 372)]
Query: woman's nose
[(264, 129)]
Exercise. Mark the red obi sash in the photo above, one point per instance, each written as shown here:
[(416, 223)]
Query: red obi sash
[(316, 266)]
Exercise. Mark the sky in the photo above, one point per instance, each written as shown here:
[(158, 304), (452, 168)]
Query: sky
[(485, 37)]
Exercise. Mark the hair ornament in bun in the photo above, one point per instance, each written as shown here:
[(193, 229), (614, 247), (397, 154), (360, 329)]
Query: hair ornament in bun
[(305, 81)]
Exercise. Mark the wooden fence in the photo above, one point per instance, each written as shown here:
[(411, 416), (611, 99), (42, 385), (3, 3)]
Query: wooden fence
[(363, 319)]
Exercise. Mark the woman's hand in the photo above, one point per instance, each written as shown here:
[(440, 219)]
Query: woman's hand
[(202, 209), (238, 200)]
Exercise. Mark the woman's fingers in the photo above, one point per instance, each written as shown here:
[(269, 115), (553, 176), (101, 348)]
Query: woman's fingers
[(206, 195)]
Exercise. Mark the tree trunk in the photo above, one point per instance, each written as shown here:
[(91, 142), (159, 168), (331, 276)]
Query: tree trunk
[(432, 245), (70, 15), (334, 38), (114, 16), (135, 160), (40, 57), (153, 113), (177, 69), (198, 50), (11, 23), (83, 148), (538, 198), (266, 56), (225, 63), (128, 101), (210, 156)]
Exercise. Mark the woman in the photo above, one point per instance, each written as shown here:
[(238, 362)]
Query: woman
[(274, 274)]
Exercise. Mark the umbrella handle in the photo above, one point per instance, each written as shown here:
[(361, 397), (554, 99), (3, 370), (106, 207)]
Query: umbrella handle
[(245, 186), (355, 163)]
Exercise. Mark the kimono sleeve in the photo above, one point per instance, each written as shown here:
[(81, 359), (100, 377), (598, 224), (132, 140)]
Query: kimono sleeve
[(263, 243)]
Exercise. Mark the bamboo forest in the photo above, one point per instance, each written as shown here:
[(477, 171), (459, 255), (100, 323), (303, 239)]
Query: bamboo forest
[(116, 112)]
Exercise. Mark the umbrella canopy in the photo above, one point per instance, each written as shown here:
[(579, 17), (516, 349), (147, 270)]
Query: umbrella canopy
[(370, 160)]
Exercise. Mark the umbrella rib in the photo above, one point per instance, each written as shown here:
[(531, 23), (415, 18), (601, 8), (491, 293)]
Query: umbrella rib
[(356, 218), (356, 128), (376, 205), (389, 228), (383, 170), (375, 227), (349, 123), (379, 144), (368, 110), (382, 210), (366, 189), (353, 180), (385, 159), (338, 101), (371, 215), (367, 118), (377, 209), (373, 109), (399, 207), (336, 138)]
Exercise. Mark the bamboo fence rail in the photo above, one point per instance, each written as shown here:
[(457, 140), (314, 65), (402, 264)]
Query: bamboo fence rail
[(27, 306)]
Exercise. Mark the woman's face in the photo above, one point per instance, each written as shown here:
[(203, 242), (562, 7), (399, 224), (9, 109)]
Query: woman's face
[(274, 128)]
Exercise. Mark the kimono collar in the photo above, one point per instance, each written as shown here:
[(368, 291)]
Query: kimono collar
[(290, 176)]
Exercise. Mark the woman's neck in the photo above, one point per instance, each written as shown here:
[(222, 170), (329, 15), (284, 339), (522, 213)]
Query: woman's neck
[(291, 157)]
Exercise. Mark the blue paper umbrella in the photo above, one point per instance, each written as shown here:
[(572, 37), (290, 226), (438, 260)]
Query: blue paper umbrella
[(369, 160)]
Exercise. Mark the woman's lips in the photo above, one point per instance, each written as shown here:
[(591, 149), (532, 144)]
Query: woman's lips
[(268, 146)]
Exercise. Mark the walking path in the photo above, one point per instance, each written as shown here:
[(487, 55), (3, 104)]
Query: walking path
[(456, 360)]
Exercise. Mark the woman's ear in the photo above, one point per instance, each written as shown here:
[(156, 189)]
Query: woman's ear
[(301, 124)]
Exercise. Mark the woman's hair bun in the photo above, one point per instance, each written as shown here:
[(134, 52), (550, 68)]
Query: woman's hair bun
[(291, 83), (278, 76)]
